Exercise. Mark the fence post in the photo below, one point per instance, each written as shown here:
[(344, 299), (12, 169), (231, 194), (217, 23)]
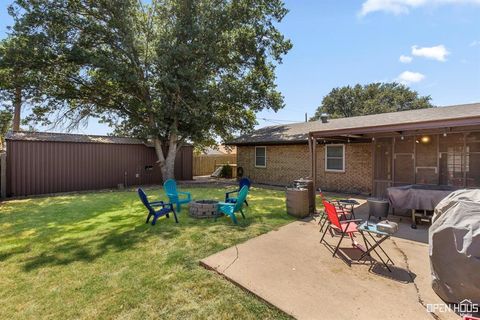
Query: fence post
[(3, 175)]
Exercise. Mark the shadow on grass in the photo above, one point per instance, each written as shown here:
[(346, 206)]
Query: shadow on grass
[(73, 250), (5, 255), (82, 228)]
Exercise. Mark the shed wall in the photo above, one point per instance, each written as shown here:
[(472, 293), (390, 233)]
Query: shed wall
[(40, 167)]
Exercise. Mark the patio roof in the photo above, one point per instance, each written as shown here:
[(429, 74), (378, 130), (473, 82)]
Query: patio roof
[(423, 119), (440, 117)]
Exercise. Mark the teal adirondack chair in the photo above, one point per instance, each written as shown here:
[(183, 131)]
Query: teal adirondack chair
[(175, 196), (229, 209)]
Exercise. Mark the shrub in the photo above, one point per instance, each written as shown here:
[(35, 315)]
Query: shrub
[(226, 171)]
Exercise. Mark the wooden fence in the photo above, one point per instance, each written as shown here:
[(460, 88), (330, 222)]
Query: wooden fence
[(205, 164)]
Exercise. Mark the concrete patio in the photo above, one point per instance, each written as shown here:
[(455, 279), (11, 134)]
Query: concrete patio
[(291, 270)]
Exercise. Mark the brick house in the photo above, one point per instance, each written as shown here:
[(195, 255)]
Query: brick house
[(367, 154)]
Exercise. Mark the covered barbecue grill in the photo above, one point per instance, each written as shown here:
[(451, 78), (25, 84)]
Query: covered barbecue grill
[(454, 240), (423, 198)]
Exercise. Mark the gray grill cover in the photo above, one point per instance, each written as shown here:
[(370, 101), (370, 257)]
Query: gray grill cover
[(454, 239), (420, 197)]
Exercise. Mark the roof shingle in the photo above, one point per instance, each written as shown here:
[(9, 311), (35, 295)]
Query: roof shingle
[(298, 132)]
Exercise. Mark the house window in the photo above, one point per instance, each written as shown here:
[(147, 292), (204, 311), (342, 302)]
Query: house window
[(335, 157), (261, 157)]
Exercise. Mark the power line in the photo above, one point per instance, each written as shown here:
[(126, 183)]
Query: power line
[(278, 121)]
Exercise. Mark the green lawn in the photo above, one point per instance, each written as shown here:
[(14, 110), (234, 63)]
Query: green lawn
[(92, 256)]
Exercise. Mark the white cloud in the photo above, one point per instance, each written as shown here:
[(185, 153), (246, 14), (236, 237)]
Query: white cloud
[(408, 77), (474, 43), (436, 53), (405, 59), (398, 7)]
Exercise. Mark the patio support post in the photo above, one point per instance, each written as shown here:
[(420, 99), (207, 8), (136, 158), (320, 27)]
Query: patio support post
[(374, 191), (464, 160), (310, 154), (314, 162)]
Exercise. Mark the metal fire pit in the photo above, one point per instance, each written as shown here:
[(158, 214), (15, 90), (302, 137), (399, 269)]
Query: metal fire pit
[(203, 209)]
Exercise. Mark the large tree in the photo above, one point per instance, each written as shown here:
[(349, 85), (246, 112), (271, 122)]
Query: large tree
[(173, 71), (370, 99), (20, 82)]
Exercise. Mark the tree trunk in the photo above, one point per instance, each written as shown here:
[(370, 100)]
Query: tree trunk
[(17, 108), (167, 164)]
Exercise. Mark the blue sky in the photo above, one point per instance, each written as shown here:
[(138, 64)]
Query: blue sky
[(337, 43)]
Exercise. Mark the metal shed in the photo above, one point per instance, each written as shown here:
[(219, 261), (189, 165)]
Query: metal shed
[(41, 163)]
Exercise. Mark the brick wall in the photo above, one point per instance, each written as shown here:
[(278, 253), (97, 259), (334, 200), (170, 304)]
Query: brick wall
[(358, 170), (286, 163)]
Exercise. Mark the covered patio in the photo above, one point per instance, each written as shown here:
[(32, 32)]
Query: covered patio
[(435, 151)]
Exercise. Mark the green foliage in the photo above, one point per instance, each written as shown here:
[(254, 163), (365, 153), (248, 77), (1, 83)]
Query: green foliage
[(226, 171), (370, 99), (21, 83), (91, 256), (5, 124), (170, 70)]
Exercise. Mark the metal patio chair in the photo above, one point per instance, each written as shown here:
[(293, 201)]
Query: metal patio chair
[(344, 227)]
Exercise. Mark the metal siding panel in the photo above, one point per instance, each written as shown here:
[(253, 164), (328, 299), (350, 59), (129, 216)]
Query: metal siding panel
[(37, 167), (86, 166), (10, 167), (20, 172), (82, 164), (44, 165), (82, 157), (71, 183), (59, 167), (8, 172), (26, 168), (55, 170), (67, 164), (94, 168), (52, 169), (34, 167), (67, 151), (74, 164), (113, 161)]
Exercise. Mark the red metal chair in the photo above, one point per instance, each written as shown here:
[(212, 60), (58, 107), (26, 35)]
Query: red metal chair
[(341, 211), (344, 227)]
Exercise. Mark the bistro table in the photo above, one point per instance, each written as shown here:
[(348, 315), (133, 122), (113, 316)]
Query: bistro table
[(349, 204), (376, 239)]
